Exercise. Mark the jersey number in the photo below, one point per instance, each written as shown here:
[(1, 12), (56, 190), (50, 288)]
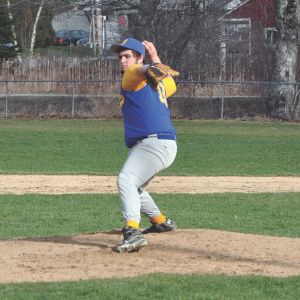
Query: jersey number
[(162, 94), (121, 100)]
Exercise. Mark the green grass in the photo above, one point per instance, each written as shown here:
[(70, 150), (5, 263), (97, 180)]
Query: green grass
[(205, 148), (37, 146), (65, 51), (236, 148), (62, 51), (61, 147), (160, 286), (49, 215)]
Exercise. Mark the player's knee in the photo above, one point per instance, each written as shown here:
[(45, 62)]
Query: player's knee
[(123, 180)]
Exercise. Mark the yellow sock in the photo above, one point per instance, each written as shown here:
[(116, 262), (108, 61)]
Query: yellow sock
[(159, 219), (133, 224)]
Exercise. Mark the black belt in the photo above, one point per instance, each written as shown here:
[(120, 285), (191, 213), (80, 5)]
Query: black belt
[(171, 137)]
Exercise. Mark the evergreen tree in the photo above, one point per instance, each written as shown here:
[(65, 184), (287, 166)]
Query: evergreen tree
[(45, 34), (7, 46)]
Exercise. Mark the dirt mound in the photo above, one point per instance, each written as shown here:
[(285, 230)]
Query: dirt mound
[(183, 251), (72, 184)]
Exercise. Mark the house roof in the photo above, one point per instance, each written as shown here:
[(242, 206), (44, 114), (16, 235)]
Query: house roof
[(262, 11), (232, 6)]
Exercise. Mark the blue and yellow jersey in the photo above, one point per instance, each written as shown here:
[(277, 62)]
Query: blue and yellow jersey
[(145, 110)]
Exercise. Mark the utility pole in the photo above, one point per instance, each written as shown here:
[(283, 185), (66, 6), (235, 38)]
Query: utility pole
[(99, 27), (93, 27)]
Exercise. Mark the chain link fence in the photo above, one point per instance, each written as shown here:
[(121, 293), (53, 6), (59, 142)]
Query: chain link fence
[(100, 99)]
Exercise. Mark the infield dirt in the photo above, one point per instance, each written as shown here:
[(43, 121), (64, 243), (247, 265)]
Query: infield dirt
[(183, 251)]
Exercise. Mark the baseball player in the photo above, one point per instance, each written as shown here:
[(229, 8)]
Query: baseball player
[(149, 134)]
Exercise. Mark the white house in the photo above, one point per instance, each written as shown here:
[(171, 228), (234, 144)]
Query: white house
[(81, 18), (71, 20)]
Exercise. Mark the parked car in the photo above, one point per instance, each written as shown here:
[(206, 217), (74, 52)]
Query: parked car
[(83, 41), (7, 45), (69, 37), (86, 41)]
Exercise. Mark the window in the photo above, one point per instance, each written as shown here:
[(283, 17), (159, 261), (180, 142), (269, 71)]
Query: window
[(76, 34), (271, 35)]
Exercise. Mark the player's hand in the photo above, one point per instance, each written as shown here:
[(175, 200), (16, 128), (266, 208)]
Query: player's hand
[(151, 52)]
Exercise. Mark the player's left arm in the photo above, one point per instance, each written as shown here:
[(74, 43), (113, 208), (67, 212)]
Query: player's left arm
[(134, 79), (168, 82)]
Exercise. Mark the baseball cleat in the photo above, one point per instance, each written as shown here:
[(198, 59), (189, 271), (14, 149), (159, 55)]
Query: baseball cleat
[(168, 225), (133, 240)]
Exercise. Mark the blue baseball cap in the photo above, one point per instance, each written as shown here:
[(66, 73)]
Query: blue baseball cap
[(131, 44)]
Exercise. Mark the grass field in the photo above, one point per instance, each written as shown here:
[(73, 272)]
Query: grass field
[(216, 148), (211, 148), (54, 215), (160, 286), (66, 51)]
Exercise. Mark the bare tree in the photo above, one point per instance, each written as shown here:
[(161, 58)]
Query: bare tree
[(184, 31), (283, 101), (13, 27), (34, 29)]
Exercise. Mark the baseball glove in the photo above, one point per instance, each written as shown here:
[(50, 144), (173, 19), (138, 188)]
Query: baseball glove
[(156, 72)]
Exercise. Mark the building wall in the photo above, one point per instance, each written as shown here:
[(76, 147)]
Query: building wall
[(252, 47), (262, 11), (78, 19), (71, 20)]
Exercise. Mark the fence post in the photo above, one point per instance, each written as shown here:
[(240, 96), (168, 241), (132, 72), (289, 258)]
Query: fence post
[(6, 99), (223, 93), (73, 97)]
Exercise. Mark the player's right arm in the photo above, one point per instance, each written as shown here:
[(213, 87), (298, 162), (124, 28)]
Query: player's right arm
[(132, 79)]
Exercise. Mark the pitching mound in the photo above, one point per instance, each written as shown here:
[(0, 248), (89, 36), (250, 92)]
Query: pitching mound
[(183, 251)]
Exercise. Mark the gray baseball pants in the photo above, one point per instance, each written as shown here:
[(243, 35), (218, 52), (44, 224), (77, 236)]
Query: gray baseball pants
[(145, 159)]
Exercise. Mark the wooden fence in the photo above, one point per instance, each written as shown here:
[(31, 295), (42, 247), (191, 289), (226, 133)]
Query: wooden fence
[(58, 68)]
